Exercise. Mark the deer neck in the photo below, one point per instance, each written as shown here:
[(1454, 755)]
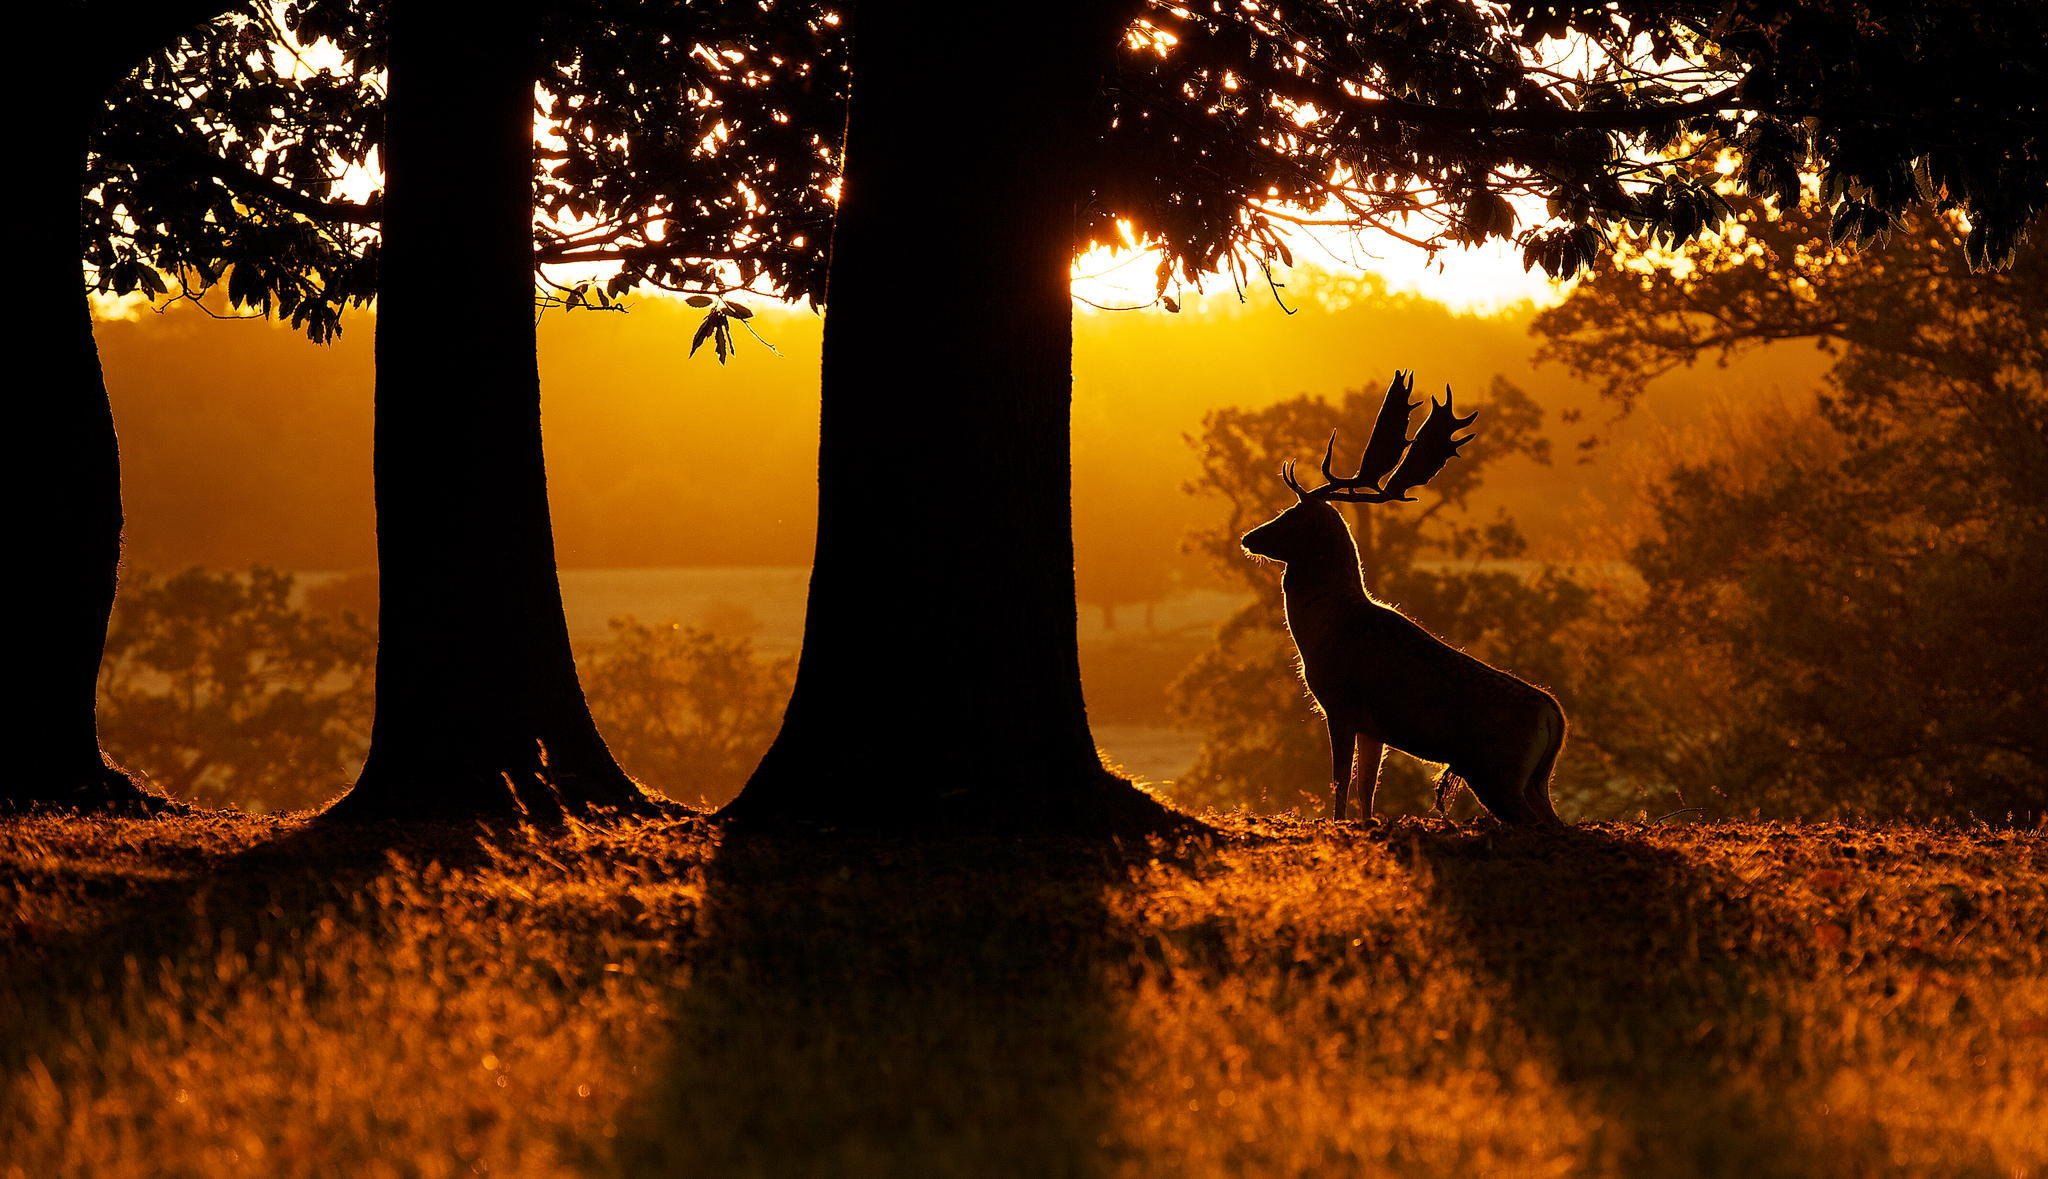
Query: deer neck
[(1329, 583)]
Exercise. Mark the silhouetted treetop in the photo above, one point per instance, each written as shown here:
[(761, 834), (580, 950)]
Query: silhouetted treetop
[(691, 143), (682, 142), (1422, 119), (1893, 307), (696, 145), (220, 163)]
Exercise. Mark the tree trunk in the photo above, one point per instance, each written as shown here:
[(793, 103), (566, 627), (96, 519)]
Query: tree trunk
[(71, 551), (940, 675), (479, 709)]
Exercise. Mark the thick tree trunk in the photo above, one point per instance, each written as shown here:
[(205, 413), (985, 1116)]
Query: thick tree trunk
[(479, 710), (70, 555), (940, 675)]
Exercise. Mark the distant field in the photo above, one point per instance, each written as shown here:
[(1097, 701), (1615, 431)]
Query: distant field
[(1126, 669), (229, 996), (768, 600)]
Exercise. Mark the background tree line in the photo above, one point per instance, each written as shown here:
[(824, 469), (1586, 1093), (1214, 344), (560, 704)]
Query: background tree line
[(238, 691), (1824, 608)]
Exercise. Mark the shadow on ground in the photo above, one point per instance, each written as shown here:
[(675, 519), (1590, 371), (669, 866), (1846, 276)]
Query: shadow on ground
[(135, 923), (870, 1006), (1637, 969)]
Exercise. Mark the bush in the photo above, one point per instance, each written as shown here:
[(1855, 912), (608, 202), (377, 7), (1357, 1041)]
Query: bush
[(1842, 609), (688, 711), (225, 693)]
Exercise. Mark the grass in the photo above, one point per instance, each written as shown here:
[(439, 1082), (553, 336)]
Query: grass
[(226, 996)]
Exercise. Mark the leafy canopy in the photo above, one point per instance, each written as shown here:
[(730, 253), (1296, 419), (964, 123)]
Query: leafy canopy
[(695, 145)]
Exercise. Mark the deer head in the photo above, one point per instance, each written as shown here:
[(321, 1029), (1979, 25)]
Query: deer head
[(1393, 465)]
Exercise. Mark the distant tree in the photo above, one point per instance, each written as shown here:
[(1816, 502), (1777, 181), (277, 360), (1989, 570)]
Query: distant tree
[(1262, 746), (690, 708), (232, 693), (1857, 592), (1118, 574), (1203, 130), (240, 697)]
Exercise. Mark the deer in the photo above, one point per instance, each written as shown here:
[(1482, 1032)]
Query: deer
[(1378, 678)]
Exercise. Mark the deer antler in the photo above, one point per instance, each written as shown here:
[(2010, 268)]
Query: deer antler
[(1389, 438), (1413, 462), (1433, 447)]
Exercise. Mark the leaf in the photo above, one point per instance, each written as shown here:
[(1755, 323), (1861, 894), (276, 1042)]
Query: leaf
[(1842, 225), (736, 311), (698, 300), (1170, 303), (706, 330)]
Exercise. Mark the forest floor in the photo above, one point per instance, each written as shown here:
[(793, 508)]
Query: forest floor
[(233, 995)]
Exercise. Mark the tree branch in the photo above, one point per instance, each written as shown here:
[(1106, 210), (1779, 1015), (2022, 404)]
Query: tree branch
[(244, 181)]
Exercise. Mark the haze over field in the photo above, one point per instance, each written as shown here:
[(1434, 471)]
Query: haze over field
[(244, 444), (683, 491)]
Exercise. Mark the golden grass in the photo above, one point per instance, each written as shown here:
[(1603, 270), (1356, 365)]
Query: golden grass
[(237, 996)]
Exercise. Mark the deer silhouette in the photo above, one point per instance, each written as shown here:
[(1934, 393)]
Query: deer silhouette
[(1378, 677)]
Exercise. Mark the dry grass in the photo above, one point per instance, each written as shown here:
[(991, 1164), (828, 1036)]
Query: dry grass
[(237, 996)]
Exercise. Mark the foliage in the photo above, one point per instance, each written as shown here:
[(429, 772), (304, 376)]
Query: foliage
[(225, 692), (682, 142), (1262, 745), (693, 144), (688, 711), (1857, 588), (218, 166), (696, 145), (237, 996), (1232, 121)]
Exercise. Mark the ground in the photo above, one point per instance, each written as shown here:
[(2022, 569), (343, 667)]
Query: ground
[(230, 995)]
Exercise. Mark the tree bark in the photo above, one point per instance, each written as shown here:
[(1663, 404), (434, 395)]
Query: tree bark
[(71, 533), (479, 710), (940, 677)]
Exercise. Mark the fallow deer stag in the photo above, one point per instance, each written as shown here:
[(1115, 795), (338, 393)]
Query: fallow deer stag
[(1379, 678)]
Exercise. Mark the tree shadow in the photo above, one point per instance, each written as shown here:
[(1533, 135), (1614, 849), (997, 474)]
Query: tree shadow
[(193, 901), (872, 1005), (1637, 971)]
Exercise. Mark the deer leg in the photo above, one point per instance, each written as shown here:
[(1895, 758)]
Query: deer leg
[(1341, 738), (1365, 772), (1549, 741), (1500, 793)]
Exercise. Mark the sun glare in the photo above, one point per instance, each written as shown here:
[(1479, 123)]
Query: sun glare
[(1475, 280)]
